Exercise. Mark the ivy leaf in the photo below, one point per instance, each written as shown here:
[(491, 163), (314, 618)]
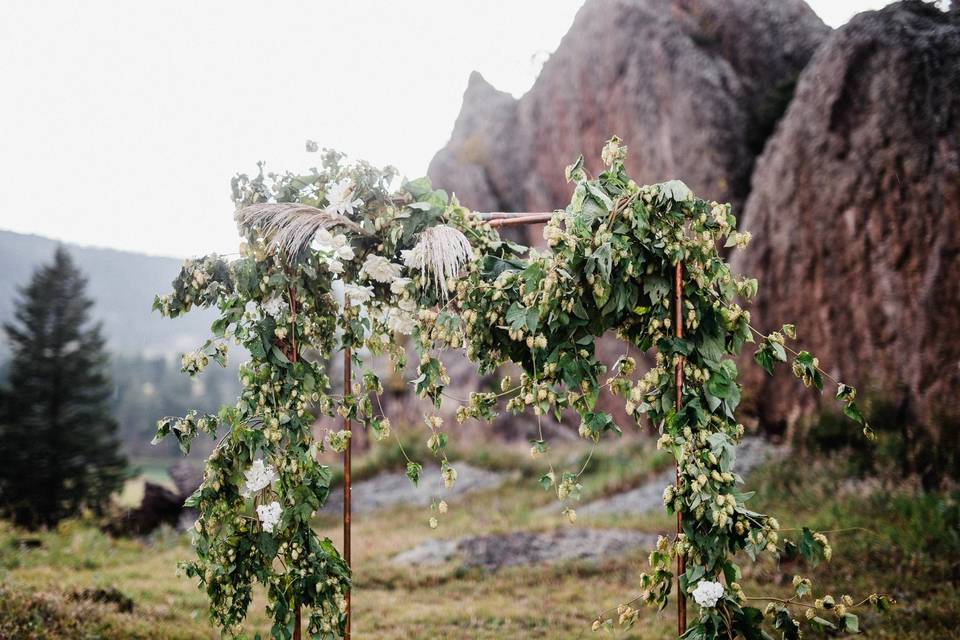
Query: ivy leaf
[(267, 544), (413, 472), (516, 316), (810, 548), (656, 287), (851, 623), (604, 258), (821, 624), (676, 190), (546, 481)]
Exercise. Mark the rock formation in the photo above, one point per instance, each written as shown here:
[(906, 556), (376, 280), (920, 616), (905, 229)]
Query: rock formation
[(855, 213), (693, 86)]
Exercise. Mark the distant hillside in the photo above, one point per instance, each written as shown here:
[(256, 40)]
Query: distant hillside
[(122, 285)]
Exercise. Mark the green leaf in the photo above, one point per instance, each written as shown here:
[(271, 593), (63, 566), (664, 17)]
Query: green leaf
[(676, 190), (413, 472), (851, 623)]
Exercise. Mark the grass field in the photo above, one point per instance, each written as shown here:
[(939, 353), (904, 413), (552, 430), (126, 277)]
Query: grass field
[(896, 539)]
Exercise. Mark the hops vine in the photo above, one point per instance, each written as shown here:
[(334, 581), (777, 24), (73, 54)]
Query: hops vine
[(321, 268), (610, 266), (334, 259)]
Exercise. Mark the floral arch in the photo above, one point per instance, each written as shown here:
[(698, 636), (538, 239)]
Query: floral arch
[(647, 262)]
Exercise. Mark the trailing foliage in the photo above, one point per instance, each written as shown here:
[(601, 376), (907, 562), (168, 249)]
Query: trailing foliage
[(411, 261), (614, 254), (263, 484)]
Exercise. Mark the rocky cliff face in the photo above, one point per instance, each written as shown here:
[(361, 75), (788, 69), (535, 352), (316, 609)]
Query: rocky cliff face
[(693, 86), (855, 212), (854, 203)]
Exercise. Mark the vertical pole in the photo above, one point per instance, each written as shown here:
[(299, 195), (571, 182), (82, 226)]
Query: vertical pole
[(678, 380), (293, 355), (347, 388)]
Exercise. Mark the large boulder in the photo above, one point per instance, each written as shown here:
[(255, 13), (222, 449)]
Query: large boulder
[(855, 213), (693, 86)]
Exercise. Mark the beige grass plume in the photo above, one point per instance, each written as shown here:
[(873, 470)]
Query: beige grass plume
[(290, 226), (439, 254)]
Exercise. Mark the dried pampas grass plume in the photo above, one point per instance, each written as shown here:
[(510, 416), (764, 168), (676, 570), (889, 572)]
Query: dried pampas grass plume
[(438, 255), (289, 226)]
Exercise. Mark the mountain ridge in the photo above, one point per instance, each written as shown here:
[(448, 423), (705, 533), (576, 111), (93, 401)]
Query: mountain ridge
[(122, 285)]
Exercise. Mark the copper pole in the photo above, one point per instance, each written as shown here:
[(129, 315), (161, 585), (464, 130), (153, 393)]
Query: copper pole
[(678, 383), (293, 355), (490, 215), (347, 388), (502, 220)]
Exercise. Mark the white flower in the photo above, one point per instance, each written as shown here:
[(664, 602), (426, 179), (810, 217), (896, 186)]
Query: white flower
[(707, 593), (380, 269), (335, 266), (269, 515), (400, 322), (358, 294), (259, 476), (340, 197), (338, 245), (407, 304), (323, 241), (399, 285), (344, 251), (274, 307)]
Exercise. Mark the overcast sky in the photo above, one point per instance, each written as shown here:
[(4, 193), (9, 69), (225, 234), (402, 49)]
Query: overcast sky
[(123, 121)]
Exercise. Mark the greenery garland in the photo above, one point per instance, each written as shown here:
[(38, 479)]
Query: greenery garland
[(262, 483), (610, 265)]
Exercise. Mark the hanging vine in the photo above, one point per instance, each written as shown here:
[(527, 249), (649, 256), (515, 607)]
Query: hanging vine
[(340, 258)]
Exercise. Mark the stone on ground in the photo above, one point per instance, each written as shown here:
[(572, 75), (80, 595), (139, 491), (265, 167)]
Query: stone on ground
[(492, 552), (393, 488)]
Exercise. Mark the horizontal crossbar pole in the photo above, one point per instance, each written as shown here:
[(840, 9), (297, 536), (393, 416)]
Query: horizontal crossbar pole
[(500, 219)]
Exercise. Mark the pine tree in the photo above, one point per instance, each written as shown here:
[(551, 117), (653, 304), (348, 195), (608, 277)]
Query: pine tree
[(60, 449)]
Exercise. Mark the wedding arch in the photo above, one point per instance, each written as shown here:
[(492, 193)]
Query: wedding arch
[(345, 257)]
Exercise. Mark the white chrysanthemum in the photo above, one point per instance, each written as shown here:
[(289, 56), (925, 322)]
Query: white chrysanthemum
[(275, 307), (340, 197), (399, 285), (259, 476), (323, 241), (400, 321), (344, 251), (358, 294), (336, 245), (438, 255), (269, 515), (708, 593), (380, 269)]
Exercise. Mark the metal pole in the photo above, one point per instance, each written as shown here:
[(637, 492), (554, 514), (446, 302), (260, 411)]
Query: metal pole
[(347, 388), (293, 355), (678, 383), (509, 220)]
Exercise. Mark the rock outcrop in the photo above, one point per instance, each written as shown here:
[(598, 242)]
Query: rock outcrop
[(693, 86), (855, 213)]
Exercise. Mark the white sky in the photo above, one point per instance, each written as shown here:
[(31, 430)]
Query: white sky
[(122, 122)]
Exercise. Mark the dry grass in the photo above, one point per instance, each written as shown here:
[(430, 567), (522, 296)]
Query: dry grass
[(451, 602)]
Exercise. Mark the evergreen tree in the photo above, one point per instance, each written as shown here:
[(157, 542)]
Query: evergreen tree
[(59, 442)]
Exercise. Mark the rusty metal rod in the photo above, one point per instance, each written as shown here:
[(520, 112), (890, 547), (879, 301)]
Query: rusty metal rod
[(678, 402), (347, 389), (510, 220), (491, 215)]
